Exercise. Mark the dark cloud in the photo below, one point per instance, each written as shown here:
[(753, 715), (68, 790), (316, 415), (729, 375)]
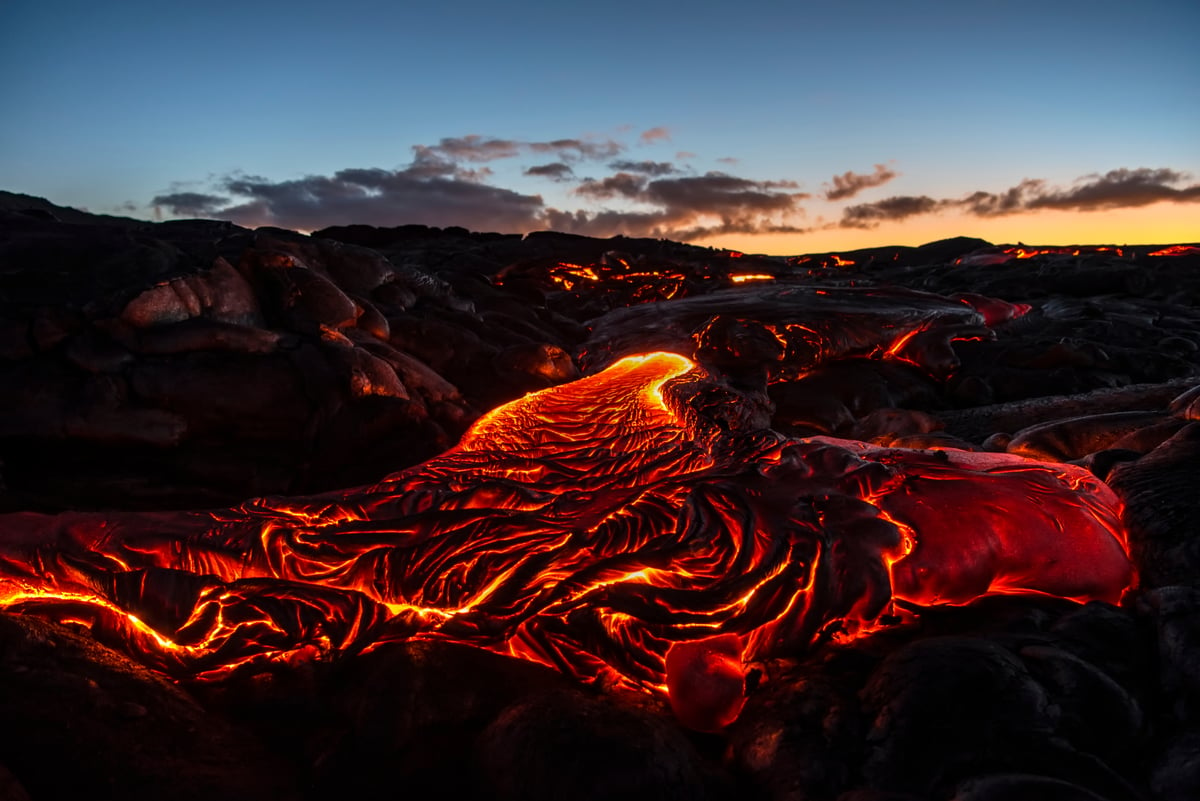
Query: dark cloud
[(717, 193), (1011, 201), (623, 184), (849, 184), (608, 223), (371, 196), (656, 134), (1116, 189), (1121, 188), (688, 207), (188, 204), (869, 215), (556, 171), (654, 168)]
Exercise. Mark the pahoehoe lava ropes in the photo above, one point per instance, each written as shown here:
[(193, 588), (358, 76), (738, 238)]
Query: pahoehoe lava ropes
[(595, 526)]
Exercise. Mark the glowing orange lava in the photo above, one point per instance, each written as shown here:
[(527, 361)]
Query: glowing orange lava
[(1177, 250), (592, 527)]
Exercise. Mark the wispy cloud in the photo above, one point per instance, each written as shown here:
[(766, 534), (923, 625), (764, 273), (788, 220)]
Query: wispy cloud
[(1120, 188), (476, 148), (645, 167), (849, 184), (189, 204), (623, 184), (555, 171), (656, 134), (1116, 189)]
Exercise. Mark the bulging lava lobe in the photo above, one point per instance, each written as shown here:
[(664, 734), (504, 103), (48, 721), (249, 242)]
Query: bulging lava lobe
[(991, 522), (640, 525), (706, 682)]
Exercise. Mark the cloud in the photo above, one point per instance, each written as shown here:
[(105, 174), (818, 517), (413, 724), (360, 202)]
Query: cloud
[(449, 183), (687, 207), (655, 168), (470, 148), (731, 160), (477, 149), (1011, 201), (370, 196), (623, 184), (869, 215), (577, 149), (556, 171), (441, 186), (188, 204), (1116, 189), (717, 192), (849, 184), (1121, 188), (656, 134)]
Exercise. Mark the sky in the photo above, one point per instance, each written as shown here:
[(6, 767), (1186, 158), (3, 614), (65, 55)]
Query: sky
[(754, 126)]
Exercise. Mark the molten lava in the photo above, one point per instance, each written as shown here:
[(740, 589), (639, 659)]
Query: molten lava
[(1177, 250), (1002, 255), (630, 526)]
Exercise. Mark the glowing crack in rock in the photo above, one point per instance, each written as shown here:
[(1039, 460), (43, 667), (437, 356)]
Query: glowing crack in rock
[(592, 527)]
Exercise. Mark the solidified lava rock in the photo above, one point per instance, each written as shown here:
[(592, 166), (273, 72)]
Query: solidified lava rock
[(567, 744), (134, 356), (82, 721), (409, 715), (1161, 511)]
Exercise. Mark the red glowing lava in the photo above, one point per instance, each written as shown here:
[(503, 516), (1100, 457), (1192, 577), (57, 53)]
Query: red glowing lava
[(1177, 250), (603, 527)]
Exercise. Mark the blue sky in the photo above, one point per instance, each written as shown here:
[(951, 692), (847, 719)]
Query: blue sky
[(753, 109)]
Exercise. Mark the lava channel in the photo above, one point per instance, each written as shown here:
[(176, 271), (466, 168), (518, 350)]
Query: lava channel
[(630, 527)]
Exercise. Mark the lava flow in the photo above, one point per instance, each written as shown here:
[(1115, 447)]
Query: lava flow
[(635, 526), (1177, 250)]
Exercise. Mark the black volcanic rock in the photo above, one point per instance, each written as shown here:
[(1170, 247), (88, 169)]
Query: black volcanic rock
[(567, 744), (406, 715), (83, 721), (1161, 509)]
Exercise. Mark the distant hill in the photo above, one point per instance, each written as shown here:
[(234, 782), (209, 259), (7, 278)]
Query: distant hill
[(39, 206)]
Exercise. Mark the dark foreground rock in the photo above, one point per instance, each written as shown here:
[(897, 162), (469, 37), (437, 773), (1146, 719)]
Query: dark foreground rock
[(84, 722)]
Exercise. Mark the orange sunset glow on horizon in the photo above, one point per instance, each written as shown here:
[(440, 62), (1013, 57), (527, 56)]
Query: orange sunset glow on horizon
[(1161, 223)]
